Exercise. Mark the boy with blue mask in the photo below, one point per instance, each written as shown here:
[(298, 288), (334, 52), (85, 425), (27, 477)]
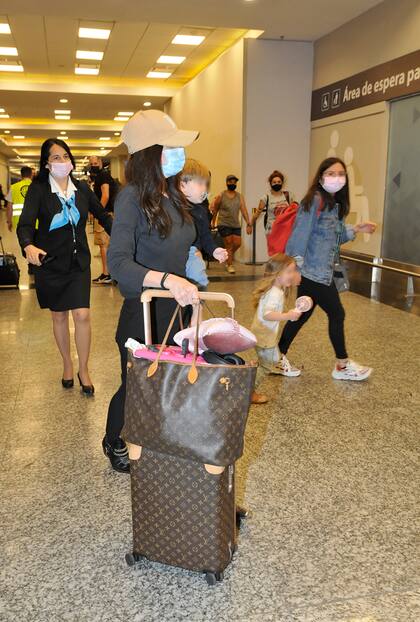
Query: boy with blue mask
[(194, 180)]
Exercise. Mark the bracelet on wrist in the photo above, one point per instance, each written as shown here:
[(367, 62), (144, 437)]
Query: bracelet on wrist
[(163, 279)]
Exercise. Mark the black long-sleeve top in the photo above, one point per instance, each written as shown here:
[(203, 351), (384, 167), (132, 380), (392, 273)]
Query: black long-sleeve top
[(200, 214), (42, 205), (134, 250)]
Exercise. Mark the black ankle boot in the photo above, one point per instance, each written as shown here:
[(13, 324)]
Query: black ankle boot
[(118, 454)]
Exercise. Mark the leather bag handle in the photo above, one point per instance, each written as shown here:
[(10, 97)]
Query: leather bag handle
[(193, 372)]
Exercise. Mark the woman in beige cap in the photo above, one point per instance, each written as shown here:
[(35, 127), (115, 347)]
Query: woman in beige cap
[(152, 235)]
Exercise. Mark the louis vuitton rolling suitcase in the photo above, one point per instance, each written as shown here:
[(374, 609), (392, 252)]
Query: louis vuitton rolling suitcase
[(183, 508)]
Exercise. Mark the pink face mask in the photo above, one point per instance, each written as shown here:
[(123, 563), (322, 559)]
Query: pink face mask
[(61, 169)]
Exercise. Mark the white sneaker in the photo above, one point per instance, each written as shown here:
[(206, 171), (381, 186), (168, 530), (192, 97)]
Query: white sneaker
[(285, 368), (231, 269), (352, 371)]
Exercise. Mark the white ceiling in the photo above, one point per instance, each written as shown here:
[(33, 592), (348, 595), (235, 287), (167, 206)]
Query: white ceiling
[(46, 36), (293, 19)]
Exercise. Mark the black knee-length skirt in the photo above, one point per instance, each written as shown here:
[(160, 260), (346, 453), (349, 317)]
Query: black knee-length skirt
[(62, 291)]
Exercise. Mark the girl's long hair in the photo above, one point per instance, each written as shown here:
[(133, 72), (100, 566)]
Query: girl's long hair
[(273, 268), (144, 171), (327, 201), (43, 173)]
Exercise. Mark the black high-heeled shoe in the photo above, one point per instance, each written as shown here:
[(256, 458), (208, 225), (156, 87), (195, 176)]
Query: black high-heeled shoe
[(67, 384), (87, 389)]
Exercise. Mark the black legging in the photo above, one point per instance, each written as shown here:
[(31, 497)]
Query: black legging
[(130, 324), (327, 297)]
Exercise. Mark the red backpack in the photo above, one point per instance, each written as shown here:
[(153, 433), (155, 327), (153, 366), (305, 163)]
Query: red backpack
[(281, 229)]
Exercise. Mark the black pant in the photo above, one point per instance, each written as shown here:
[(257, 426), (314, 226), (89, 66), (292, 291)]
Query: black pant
[(130, 324), (327, 297)]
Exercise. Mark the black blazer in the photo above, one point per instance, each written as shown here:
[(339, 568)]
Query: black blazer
[(41, 204)]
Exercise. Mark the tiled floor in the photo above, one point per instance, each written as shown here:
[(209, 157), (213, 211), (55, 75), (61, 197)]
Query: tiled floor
[(330, 473)]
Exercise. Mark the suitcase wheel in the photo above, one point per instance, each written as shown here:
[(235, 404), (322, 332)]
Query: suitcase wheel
[(241, 513), (213, 577), (132, 559)]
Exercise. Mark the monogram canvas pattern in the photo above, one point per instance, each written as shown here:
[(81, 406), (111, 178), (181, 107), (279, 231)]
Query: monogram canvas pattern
[(204, 421), (182, 515)]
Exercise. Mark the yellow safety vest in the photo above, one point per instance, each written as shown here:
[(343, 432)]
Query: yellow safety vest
[(19, 191)]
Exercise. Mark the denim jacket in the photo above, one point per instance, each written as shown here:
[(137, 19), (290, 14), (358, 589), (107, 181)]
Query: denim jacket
[(313, 241)]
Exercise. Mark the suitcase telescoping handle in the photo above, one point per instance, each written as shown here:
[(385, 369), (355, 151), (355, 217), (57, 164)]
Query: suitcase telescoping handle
[(149, 294)]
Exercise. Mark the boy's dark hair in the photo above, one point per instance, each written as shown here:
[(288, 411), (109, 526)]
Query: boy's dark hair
[(25, 171)]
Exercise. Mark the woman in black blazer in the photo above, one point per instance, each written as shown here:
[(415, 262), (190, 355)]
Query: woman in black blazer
[(59, 249)]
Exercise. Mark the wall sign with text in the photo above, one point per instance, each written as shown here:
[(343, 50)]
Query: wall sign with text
[(390, 80)]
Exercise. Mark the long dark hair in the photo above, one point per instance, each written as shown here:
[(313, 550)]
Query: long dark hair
[(144, 171), (342, 197), (43, 172)]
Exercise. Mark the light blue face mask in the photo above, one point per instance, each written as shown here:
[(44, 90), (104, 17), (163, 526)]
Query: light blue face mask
[(173, 160)]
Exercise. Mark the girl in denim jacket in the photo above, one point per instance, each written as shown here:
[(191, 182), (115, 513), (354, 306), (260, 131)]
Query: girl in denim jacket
[(319, 226)]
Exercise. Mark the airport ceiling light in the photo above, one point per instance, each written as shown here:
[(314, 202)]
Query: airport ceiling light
[(4, 116), (171, 60), (11, 67), (7, 51), (5, 29), (125, 114), (86, 71), (64, 101), (64, 133), (62, 117), (88, 55), (105, 138), (18, 137), (94, 33), (159, 74), (117, 133), (147, 104), (63, 137), (188, 39), (7, 131), (62, 111), (121, 118)]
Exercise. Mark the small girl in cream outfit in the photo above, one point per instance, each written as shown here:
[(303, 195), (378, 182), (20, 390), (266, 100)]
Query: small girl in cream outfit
[(281, 274)]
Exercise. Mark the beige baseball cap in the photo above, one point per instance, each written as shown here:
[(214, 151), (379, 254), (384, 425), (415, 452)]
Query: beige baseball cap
[(154, 127)]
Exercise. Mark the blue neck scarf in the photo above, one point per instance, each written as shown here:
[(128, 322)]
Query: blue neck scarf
[(69, 213)]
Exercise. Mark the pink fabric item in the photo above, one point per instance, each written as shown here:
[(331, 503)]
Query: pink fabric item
[(223, 335), (170, 353)]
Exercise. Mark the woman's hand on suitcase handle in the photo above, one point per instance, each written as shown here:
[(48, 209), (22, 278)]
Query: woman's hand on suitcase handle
[(32, 254), (184, 292)]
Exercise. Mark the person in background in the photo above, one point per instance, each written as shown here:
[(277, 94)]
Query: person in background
[(280, 276), (227, 207), (276, 199), (152, 234), (3, 201), (104, 187), (16, 197), (60, 251), (315, 241), (194, 181)]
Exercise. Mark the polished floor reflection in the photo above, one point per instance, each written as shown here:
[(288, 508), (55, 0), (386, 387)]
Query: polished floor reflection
[(330, 473)]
